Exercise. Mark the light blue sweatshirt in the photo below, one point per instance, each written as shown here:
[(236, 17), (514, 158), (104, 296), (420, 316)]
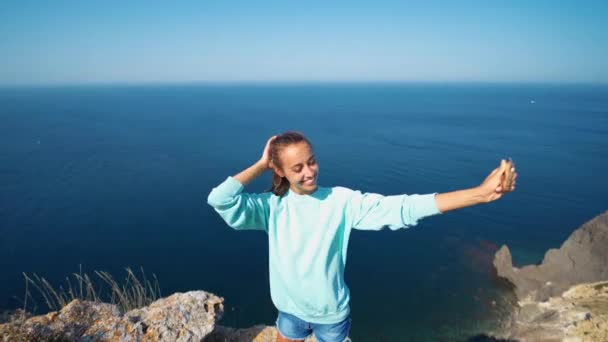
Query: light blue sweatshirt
[(308, 238)]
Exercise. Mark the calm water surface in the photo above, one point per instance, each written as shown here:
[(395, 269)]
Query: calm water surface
[(110, 177)]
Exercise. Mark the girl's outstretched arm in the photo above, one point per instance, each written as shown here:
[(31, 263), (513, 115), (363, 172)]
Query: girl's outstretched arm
[(490, 190)]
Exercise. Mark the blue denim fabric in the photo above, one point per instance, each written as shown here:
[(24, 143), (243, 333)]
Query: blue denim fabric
[(293, 328)]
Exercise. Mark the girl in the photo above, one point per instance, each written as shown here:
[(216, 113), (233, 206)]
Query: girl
[(308, 228)]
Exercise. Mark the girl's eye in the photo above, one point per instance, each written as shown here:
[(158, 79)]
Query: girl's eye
[(299, 169)]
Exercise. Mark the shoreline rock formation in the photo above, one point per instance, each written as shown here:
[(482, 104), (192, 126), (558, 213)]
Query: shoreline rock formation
[(565, 298), (181, 317), (186, 316), (579, 314), (582, 258)]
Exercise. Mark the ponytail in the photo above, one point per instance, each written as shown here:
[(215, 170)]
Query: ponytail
[(280, 185)]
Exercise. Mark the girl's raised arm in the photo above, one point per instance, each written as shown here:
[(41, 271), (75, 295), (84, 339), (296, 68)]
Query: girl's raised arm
[(238, 209), (255, 170)]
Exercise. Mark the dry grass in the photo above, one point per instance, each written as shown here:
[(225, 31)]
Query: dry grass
[(131, 294)]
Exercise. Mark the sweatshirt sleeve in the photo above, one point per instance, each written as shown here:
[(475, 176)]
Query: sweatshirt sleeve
[(240, 210), (373, 211)]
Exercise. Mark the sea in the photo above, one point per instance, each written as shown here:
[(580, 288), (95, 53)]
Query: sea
[(105, 177)]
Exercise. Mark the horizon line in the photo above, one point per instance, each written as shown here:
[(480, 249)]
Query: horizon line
[(291, 82)]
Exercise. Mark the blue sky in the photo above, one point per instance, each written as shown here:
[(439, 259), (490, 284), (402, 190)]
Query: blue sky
[(65, 42)]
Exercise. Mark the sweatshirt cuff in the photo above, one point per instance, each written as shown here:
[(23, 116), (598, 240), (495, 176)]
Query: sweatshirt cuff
[(228, 189), (428, 205), (231, 187)]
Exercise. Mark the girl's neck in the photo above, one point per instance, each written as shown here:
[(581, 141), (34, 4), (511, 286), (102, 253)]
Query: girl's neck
[(299, 192)]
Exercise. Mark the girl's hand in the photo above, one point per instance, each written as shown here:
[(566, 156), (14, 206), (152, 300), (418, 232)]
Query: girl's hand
[(265, 160), (491, 189)]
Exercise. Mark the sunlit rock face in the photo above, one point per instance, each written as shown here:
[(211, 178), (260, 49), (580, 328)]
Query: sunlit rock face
[(190, 316), (583, 258), (565, 298), (180, 317), (579, 314)]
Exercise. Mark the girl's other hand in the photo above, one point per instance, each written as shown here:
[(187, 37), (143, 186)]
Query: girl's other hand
[(491, 188), (265, 160)]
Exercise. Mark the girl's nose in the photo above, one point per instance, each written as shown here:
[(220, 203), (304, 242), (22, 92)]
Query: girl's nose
[(308, 172)]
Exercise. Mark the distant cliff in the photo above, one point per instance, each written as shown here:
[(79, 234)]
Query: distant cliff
[(565, 298)]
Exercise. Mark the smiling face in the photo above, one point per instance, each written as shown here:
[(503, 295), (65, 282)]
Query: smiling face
[(299, 166)]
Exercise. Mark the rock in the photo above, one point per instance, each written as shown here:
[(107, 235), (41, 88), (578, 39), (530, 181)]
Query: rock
[(565, 298), (180, 317), (189, 316), (583, 258), (579, 314)]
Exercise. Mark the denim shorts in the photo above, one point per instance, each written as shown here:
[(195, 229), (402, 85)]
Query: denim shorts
[(293, 328)]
